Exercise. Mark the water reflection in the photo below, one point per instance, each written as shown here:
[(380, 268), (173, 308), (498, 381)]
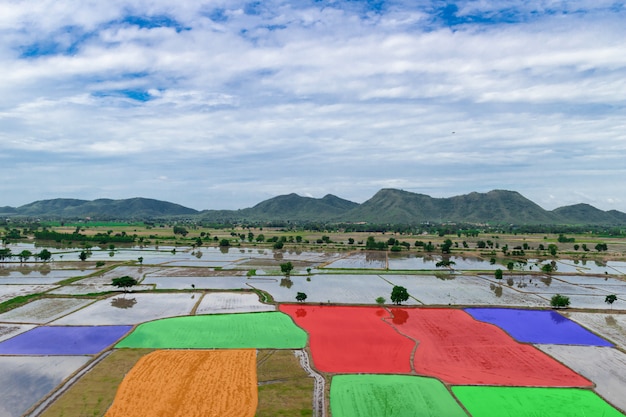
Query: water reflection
[(497, 289), (300, 312), (122, 302), (286, 282), (610, 320), (557, 318)]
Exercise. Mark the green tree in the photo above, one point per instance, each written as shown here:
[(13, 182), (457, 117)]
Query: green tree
[(380, 300), (278, 245), (286, 268), (559, 301), (601, 247), (140, 259), (224, 243), (498, 273), (124, 282), (24, 255), (445, 263), (552, 248), (83, 255), (610, 299), (44, 255), (300, 297), (399, 294), (510, 266)]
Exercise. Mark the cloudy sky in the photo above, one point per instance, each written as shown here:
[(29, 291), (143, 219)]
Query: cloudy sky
[(220, 104)]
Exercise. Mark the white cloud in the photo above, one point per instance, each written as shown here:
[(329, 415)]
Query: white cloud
[(323, 99)]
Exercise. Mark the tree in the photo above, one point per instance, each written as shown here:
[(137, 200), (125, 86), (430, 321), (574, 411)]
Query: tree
[(140, 259), (83, 255), (399, 294), (610, 299), (44, 255), (380, 300), (498, 273), (124, 282), (278, 245), (559, 301), (445, 263), (601, 247), (552, 248), (24, 255), (224, 243), (286, 268), (300, 297)]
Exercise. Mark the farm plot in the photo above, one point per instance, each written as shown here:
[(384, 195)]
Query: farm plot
[(606, 367), (391, 396), (361, 260), (609, 326), (429, 263), (86, 289), (132, 309), (44, 310), (532, 402), (452, 289), (58, 340), (27, 379), (327, 288), (537, 326), (459, 350), (228, 302), (7, 331), (555, 285), (272, 330), (352, 339), (188, 384), (232, 282), (8, 292)]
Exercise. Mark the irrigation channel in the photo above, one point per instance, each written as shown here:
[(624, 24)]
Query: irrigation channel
[(319, 408)]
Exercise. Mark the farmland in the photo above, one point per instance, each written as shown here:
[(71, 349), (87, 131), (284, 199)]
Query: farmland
[(462, 335)]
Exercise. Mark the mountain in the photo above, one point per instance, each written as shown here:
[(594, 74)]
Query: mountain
[(498, 206), (387, 206), (587, 214), (290, 207), (104, 208)]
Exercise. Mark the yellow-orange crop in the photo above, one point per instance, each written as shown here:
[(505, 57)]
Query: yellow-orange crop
[(189, 383)]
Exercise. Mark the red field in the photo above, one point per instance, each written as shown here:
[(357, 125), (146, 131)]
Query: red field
[(460, 350), (451, 346), (352, 339)]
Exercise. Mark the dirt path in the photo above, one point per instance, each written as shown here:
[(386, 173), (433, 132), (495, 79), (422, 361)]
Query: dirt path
[(319, 407)]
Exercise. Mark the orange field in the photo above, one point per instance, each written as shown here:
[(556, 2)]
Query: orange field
[(189, 383)]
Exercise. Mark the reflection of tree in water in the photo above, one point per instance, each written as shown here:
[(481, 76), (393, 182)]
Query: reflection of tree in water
[(224, 249), (445, 276), (124, 303), (400, 316), (497, 290), (286, 282), (300, 312), (610, 320), (557, 318), (278, 255), (546, 280)]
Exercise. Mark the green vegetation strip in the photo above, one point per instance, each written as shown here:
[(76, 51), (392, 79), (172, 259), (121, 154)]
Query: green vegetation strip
[(532, 402), (271, 330), (391, 396)]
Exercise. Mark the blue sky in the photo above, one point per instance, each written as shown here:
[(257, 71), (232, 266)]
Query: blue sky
[(222, 104)]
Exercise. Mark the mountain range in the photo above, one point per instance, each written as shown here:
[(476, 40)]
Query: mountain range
[(387, 206)]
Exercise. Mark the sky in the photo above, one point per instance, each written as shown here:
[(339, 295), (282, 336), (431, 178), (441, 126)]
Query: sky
[(222, 104)]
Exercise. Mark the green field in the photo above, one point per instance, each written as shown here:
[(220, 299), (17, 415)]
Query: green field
[(271, 330), (533, 402), (391, 396)]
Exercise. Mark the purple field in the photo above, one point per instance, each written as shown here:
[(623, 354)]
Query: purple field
[(58, 340), (538, 326)]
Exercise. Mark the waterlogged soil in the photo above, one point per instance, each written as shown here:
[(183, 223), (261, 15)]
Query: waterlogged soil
[(532, 326), (391, 396), (452, 289), (8, 292), (605, 366), (131, 308), (219, 383), (232, 282), (44, 310), (7, 331), (228, 302), (328, 288), (27, 379), (59, 340), (611, 326), (265, 330), (532, 402)]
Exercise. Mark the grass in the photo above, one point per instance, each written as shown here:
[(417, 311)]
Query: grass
[(18, 301), (284, 387)]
